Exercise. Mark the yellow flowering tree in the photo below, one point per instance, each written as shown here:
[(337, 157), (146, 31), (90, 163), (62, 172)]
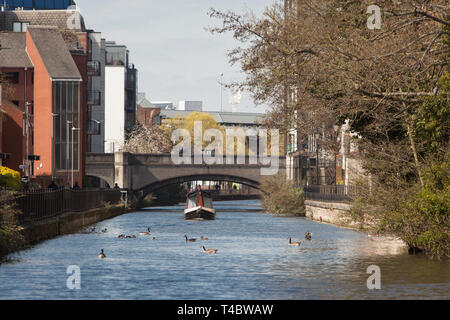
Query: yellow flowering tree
[(10, 179)]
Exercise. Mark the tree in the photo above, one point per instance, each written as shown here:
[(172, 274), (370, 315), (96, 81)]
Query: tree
[(207, 122), (149, 140), (318, 64)]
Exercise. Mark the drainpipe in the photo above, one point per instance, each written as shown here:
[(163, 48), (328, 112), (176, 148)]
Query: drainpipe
[(27, 151)]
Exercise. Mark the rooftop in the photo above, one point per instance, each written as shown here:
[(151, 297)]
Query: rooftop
[(224, 118), (63, 19), (54, 53), (12, 50)]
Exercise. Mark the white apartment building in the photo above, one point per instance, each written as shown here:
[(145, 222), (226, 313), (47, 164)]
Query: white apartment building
[(190, 106), (120, 96)]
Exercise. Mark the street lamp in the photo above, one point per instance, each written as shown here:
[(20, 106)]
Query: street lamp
[(54, 115), (335, 140), (74, 129), (221, 92), (67, 148)]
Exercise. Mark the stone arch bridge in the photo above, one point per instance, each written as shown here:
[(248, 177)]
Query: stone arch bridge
[(143, 174)]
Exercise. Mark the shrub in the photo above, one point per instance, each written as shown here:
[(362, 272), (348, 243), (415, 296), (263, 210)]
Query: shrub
[(10, 179), (10, 237), (282, 197), (421, 214)]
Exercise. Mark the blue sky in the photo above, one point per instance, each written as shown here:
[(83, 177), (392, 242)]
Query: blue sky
[(177, 59)]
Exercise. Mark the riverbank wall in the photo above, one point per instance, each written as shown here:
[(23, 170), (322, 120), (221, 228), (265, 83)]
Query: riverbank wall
[(339, 214), (332, 212), (68, 223)]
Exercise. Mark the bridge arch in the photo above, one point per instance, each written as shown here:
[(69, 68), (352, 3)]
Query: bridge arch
[(152, 187), (108, 179)]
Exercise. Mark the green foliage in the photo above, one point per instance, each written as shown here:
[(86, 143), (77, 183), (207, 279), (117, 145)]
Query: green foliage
[(282, 197), (10, 237), (10, 179), (432, 125), (421, 216)]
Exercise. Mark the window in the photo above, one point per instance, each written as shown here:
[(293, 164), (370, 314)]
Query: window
[(20, 26), (12, 77), (66, 107), (38, 4)]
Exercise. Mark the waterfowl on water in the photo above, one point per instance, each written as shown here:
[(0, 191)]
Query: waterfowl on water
[(145, 233), (153, 238), (204, 239), (131, 237), (294, 243), (210, 251), (105, 230), (102, 255), (308, 236), (122, 236), (189, 240)]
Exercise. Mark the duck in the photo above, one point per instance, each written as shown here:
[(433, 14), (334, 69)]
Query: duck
[(101, 255), (308, 235), (189, 240), (209, 251), (153, 238), (131, 237), (294, 243), (145, 233), (122, 236), (204, 239), (105, 230)]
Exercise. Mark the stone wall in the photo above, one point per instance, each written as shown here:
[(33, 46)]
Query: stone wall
[(67, 223), (329, 212)]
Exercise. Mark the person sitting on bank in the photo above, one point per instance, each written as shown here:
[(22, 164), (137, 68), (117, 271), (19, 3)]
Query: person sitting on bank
[(116, 186), (76, 186), (53, 185)]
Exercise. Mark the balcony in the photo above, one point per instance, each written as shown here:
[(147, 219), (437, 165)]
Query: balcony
[(94, 128), (94, 98), (94, 69)]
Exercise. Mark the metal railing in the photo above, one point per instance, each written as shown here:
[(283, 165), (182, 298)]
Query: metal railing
[(94, 97), (330, 193), (46, 203), (94, 127), (94, 68)]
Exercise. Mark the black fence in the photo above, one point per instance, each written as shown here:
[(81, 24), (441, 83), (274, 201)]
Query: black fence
[(330, 193), (43, 204)]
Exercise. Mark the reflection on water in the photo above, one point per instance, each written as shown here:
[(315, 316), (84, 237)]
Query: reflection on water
[(254, 261)]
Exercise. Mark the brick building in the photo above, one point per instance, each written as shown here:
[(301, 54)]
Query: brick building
[(17, 70), (47, 70)]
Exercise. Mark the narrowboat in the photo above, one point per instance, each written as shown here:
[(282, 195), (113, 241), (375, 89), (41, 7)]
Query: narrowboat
[(199, 206)]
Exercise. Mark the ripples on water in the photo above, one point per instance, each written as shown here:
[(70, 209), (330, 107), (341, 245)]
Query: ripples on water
[(253, 261)]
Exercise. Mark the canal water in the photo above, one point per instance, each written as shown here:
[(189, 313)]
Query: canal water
[(253, 261)]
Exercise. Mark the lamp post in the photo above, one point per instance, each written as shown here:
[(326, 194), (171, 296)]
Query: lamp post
[(221, 92), (74, 129), (68, 148), (335, 141), (54, 115)]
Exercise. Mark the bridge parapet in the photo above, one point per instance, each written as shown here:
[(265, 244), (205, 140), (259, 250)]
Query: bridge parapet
[(145, 173)]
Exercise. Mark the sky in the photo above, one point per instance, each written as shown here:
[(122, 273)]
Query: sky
[(176, 57)]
